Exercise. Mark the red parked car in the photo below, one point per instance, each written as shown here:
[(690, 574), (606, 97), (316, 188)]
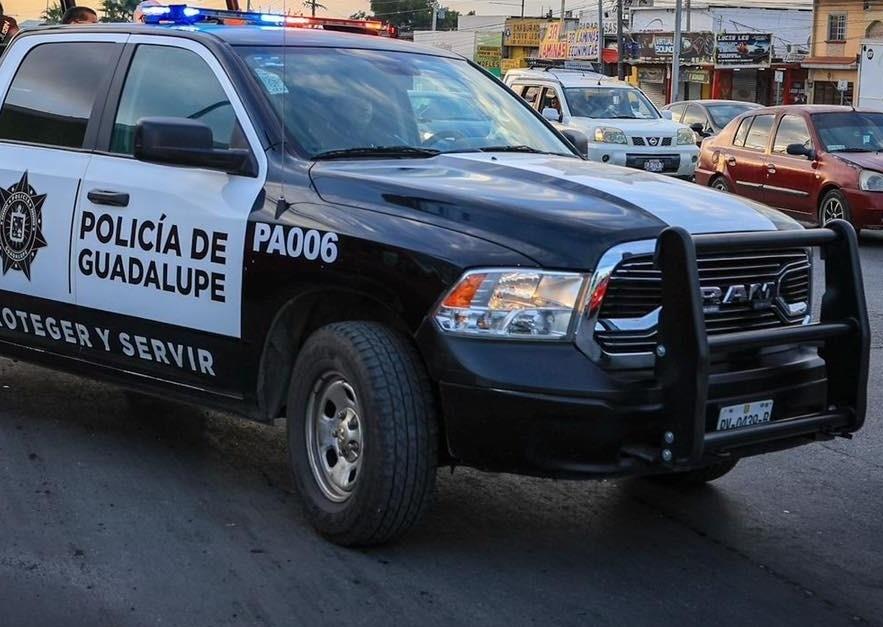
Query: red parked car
[(815, 162)]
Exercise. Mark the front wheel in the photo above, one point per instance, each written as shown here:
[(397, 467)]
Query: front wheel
[(361, 433), (834, 206), (720, 184)]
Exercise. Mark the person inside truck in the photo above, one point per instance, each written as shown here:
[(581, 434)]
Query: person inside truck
[(79, 15)]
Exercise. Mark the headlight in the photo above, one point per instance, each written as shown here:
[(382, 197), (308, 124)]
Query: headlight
[(609, 135), (870, 181), (512, 303), (686, 136)]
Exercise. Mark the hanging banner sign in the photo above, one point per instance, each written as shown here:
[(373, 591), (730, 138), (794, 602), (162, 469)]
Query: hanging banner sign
[(743, 49)]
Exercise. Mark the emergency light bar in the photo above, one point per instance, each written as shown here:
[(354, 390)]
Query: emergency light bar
[(183, 15)]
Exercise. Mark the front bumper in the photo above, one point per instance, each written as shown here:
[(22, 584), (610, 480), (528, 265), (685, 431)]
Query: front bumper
[(866, 208), (677, 160), (547, 409)]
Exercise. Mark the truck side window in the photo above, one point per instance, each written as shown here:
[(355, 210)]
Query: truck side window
[(172, 82), (51, 97), (550, 100), (531, 94)]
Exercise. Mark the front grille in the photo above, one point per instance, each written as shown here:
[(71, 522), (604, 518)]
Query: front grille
[(640, 141), (635, 291)]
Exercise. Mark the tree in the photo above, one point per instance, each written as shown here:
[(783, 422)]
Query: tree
[(52, 14), (118, 10), (412, 14)]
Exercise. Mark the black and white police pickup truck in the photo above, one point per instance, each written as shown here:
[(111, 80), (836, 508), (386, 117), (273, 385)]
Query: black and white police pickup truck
[(279, 222)]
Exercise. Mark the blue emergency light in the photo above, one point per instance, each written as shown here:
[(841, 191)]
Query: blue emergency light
[(183, 15)]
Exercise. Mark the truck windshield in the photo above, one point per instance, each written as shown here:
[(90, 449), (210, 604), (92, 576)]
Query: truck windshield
[(373, 103), (850, 131), (609, 102)]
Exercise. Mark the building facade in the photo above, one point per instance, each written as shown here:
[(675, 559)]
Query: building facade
[(750, 53), (839, 27)]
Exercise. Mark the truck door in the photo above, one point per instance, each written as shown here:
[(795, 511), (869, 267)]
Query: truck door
[(48, 120), (159, 248)]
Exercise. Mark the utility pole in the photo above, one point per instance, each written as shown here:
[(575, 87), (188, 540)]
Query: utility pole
[(689, 13), (676, 54), (561, 33), (600, 35), (522, 9), (620, 68), (434, 5)]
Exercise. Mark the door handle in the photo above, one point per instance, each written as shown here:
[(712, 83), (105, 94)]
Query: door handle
[(770, 168), (110, 198)]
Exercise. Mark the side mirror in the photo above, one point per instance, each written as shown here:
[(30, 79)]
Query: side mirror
[(579, 140), (180, 141), (698, 127), (800, 150), (667, 115), (551, 114)]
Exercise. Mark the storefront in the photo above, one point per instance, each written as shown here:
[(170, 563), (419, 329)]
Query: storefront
[(651, 56), (830, 80), (742, 67)]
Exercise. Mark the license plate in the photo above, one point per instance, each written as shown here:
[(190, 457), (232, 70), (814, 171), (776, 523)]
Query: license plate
[(654, 165), (744, 415)]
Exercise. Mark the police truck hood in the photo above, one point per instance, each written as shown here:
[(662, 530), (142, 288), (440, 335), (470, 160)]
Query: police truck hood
[(559, 211)]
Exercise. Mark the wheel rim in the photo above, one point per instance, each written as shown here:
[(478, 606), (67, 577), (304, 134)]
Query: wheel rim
[(720, 185), (832, 210), (334, 436)]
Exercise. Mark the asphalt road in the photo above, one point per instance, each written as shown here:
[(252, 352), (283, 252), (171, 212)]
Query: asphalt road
[(113, 513)]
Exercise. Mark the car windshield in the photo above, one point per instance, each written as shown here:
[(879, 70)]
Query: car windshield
[(609, 102), (850, 131), (373, 103), (721, 114)]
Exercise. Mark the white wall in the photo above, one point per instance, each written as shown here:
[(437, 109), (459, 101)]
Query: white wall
[(461, 42), (483, 23)]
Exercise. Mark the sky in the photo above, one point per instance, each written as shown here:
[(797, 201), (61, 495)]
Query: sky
[(31, 9)]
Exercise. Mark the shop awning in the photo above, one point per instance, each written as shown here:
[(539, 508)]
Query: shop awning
[(830, 63)]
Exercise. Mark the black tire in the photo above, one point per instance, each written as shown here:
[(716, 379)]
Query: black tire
[(697, 477), (720, 183), (834, 197), (386, 377)]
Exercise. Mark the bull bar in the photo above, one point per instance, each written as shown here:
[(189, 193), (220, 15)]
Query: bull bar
[(685, 350)]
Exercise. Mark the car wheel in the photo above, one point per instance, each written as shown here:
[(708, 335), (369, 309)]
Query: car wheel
[(720, 184), (697, 477), (833, 207), (361, 433)]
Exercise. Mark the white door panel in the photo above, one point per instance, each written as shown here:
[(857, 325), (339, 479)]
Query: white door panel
[(36, 209), (174, 254)]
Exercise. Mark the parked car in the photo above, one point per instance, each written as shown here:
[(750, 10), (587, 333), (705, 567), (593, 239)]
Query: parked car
[(816, 162), (266, 230), (707, 117), (622, 125)]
